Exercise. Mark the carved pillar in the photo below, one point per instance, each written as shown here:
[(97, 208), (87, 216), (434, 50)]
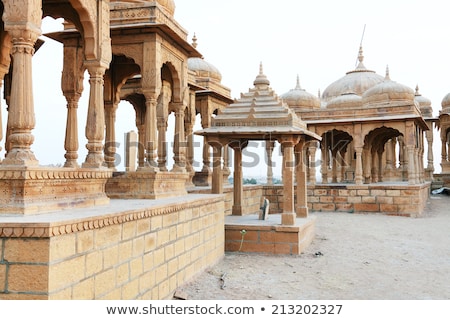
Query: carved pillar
[(110, 143), (389, 161), (151, 132), (21, 119), (302, 201), (411, 165), (312, 163), (95, 125), (380, 165), (71, 140), (288, 215), (367, 165), (430, 157), (217, 178), (269, 152), (334, 163), (179, 148), (324, 165), (359, 166), (162, 144), (226, 164), (238, 179), (374, 171), (141, 145)]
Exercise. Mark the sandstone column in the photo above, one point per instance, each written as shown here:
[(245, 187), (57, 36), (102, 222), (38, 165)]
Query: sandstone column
[(95, 125), (238, 179), (288, 215), (269, 151), (180, 141), (151, 132), (217, 177), (312, 163), (71, 140), (359, 166), (21, 118), (110, 143), (302, 205), (162, 144)]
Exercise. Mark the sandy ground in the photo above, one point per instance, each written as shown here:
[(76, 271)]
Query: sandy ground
[(353, 257)]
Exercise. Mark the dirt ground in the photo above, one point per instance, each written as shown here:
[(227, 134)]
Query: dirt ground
[(353, 257)]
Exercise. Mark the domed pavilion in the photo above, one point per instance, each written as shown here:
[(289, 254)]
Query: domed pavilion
[(372, 131)]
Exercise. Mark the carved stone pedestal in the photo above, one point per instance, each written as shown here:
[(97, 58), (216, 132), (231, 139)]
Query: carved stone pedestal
[(202, 179), (40, 190), (146, 185)]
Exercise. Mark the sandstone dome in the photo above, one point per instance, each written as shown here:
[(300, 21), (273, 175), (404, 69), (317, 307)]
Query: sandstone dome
[(204, 69), (388, 93), (357, 81), (424, 104), (345, 101), (168, 4), (299, 98), (446, 104)]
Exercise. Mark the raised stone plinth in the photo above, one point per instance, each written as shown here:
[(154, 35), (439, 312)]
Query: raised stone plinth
[(41, 189), (146, 185), (249, 234)]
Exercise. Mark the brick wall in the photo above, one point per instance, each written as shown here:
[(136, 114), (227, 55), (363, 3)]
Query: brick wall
[(144, 253)]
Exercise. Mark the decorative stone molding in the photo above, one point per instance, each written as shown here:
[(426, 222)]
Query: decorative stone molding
[(41, 190), (146, 184), (50, 229)]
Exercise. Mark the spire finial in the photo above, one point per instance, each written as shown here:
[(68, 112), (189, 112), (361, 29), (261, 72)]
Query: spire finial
[(298, 86), (261, 79), (194, 41), (417, 90), (261, 69), (361, 59), (388, 77)]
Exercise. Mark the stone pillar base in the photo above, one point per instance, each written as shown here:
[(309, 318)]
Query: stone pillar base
[(40, 190), (202, 179), (146, 185)]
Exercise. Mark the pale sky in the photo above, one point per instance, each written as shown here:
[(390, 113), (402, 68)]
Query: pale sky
[(316, 40)]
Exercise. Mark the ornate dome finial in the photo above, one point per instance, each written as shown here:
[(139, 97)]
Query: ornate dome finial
[(417, 90), (298, 86), (194, 41), (261, 79), (387, 77), (361, 65)]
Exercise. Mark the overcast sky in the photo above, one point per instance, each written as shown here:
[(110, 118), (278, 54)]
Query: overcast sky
[(316, 40)]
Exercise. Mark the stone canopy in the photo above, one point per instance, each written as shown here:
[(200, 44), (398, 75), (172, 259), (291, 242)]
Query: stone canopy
[(258, 115), (261, 115)]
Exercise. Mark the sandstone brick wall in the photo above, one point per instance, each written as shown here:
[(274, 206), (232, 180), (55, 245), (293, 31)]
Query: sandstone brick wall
[(140, 254), (404, 200)]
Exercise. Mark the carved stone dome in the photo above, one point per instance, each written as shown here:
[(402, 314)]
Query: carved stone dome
[(204, 69), (389, 93), (357, 81), (345, 101), (299, 98), (424, 104), (446, 104)]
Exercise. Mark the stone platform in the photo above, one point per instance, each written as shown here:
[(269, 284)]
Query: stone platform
[(268, 236), (126, 250)]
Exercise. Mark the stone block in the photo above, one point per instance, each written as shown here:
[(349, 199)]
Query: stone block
[(368, 199), (2, 277), (66, 273), (94, 263), (85, 241), (84, 290), (110, 256), (18, 250), (367, 207), (28, 278), (104, 283)]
